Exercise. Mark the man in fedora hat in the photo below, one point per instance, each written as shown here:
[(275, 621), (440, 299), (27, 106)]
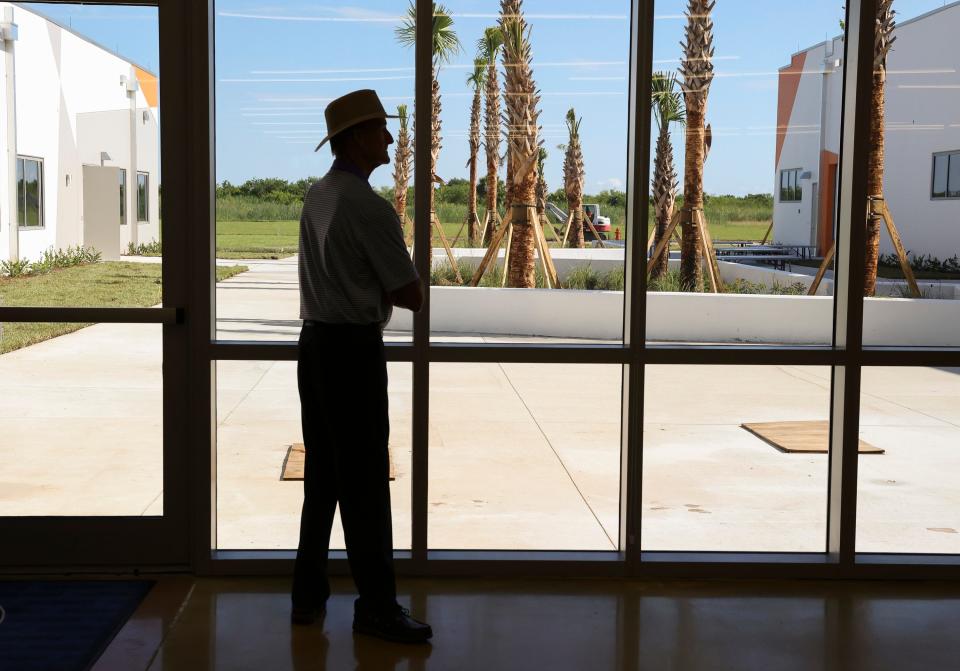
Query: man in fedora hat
[(354, 268)]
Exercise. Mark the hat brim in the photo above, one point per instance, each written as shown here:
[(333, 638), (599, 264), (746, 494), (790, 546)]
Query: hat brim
[(352, 123)]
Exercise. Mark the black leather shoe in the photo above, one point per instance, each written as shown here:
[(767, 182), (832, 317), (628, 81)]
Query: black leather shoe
[(394, 624), (307, 614)]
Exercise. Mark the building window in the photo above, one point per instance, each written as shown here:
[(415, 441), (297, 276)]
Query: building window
[(29, 192), (946, 175), (790, 190), (123, 196), (143, 181)]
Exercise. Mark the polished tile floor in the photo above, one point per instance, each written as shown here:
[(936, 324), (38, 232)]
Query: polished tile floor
[(187, 624)]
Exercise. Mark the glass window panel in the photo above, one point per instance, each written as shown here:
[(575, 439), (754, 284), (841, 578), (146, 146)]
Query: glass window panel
[(908, 496), (85, 116), (709, 483), (270, 118), (922, 90), (32, 192), (122, 179), (588, 78), (940, 167), (954, 180), (82, 419), (143, 182), (524, 456), (770, 108), (258, 420), (21, 190)]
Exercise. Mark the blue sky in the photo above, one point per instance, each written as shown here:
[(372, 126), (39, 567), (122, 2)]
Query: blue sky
[(278, 64)]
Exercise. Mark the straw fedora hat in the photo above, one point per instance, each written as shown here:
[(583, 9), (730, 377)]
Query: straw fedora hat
[(351, 109)]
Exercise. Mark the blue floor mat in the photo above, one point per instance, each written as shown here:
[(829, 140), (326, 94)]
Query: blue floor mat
[(62, 625)]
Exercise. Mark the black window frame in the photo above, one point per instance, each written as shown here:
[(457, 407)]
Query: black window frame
[(792, 192), (950, 157)]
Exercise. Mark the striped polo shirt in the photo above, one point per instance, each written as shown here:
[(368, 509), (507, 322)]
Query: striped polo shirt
[(351, 252)]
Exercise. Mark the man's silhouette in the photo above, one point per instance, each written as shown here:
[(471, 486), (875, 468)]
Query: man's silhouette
[(354, 267)]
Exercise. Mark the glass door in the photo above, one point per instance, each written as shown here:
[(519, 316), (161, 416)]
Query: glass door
[(92, 347)]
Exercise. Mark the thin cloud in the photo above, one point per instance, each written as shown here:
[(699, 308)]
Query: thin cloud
[(549, 17), (330, 72), (321, 100), (300, 80), (313, 19), (619, 78)]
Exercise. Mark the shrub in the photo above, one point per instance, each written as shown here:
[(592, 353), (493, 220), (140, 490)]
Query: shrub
[(51, 260), (154, 248)]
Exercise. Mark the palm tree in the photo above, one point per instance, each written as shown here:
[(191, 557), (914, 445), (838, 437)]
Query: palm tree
[(523, 146), (444, 45), (401, 165), (697, 70), (488, 47), (476, 79), (883, 41), (573, 176), (667, 109)]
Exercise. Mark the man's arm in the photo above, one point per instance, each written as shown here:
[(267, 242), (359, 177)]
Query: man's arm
[(409, 296)]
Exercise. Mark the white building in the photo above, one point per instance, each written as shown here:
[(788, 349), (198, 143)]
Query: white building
[(78, 142), (922, 173)]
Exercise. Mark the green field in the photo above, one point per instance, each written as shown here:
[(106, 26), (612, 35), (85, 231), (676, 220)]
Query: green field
[(106, 284), (277, 239)]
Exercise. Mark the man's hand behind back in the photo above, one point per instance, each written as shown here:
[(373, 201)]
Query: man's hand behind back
[(409, 296)]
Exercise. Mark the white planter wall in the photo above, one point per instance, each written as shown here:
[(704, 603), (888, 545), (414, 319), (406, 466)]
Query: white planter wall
[(681, 317)]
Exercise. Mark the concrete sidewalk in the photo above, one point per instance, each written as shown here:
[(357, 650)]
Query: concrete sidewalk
[(522, 456)]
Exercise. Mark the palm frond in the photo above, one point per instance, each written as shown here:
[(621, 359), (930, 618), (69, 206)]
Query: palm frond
[(488, 46), (445, 43), (573, 123), (478, 77), (667, 100)]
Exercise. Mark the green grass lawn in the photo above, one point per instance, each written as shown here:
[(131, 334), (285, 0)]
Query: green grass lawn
[(107, 284), (278, 239), (257, 239)]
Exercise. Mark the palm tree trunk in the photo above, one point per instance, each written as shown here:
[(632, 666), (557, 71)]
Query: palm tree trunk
[(575, 239), (664, 181), (435, 145), (474, 151), (875, 165), (492, 148), (522, 119), (691, 270)]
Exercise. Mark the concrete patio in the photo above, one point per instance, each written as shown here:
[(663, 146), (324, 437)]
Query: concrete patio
[(522, 456)]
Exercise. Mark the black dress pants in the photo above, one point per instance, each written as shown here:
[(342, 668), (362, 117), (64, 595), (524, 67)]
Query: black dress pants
[(342, 379)]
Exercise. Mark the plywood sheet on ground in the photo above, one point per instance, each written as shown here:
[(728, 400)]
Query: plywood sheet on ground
[(293, 464), (800, 437)]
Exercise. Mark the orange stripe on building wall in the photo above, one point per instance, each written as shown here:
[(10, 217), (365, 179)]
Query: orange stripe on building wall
[(150, 86), (787, 96)]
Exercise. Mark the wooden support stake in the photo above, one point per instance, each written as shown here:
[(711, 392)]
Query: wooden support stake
[(665, 240), (446, 246), (652, 238), (822, 270), (506, 253), (566, 230), (901, 251), (593, 230), (766, 236), (711, 251), (492, 251), (549, 269), (705, 260)]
